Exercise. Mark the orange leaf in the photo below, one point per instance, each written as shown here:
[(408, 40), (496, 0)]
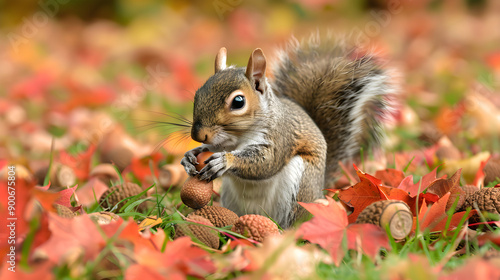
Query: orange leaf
[(435, 218), (362, 194), (390, 177), (140, 166), (475, 268), (180, 259)]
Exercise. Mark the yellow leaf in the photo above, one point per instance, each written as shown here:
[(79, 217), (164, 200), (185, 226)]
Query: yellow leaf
[(149, 222)]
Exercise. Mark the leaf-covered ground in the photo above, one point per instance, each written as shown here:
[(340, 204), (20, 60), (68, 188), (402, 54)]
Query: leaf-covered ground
[(85, 84)]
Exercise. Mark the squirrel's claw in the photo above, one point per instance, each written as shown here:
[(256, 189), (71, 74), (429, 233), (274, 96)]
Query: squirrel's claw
[(189, 167), (189, 161), (216, 166)]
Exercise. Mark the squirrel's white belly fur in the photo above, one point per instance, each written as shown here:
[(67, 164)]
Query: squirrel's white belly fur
[(273, 196)]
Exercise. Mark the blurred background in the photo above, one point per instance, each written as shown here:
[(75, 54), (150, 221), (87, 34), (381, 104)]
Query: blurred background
[(110, 74)]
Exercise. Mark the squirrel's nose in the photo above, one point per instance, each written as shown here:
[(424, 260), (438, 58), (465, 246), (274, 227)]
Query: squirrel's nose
[(199, 133)]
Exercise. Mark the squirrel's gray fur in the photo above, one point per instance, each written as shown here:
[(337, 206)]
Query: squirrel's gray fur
[(283, 145), (343, 89)]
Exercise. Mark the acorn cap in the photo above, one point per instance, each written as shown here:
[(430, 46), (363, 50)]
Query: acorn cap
[(61, 176), (195, 193), (121, 156), (491, 171), (217, 215), (115, 194), (204, 234), (63, 211), (256, 227), (469, 190), (487, 199), (105, 172), (392, 213)]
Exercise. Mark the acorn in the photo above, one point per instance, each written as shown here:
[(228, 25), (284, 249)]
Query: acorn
[(61, 176), (120, 156), (492, 171), (196, 193), (63, 211), (217, 215), (394, 214), (256, 227), (204, 234), (469, 190), (115, 194), (105, 172), (172, 175), (201, 157), (487, 199)]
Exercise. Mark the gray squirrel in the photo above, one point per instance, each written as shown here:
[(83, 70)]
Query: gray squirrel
[(278, 141)]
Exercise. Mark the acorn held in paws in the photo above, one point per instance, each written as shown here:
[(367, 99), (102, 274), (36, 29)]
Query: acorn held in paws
[(201, 160), (196, 193)]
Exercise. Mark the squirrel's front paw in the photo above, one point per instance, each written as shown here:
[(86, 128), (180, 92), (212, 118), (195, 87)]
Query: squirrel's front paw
[(216, 166), (189, 161)]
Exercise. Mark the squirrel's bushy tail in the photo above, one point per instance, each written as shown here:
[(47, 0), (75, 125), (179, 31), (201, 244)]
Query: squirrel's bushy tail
[(344, 90)]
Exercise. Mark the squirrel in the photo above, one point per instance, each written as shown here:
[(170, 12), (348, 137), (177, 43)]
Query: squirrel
[(277, 141)]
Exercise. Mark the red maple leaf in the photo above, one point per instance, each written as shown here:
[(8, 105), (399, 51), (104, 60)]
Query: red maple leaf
[(330, 226), (79, 163), (414, 189)]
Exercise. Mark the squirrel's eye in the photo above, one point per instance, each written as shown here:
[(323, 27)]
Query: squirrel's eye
[(238, 102)]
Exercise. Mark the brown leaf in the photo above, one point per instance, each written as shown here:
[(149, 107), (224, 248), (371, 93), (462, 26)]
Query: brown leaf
[(440, 186)]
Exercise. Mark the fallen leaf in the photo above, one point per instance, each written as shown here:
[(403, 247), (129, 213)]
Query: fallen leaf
[(140, 166), (329, 226), (441, 186), (479, 179), (469, 166), (149, 222), (68, 236), (434, 218), (390, 177), (414, 189), (475, 268), (180, 259), (79, 163), (362, 194)]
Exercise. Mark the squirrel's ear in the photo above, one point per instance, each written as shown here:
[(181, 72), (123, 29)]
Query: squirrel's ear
[(220, 60), (256, 70)]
